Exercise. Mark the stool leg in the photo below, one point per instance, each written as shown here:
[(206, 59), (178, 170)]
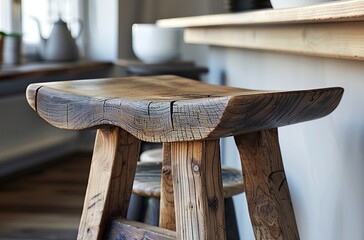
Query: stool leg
[(198, 195), (167, 217), (266, 188), (110, 182)]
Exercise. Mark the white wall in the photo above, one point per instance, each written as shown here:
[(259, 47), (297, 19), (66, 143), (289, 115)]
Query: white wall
[(324, 159), (148, 11), (101, 29), (26, 139)]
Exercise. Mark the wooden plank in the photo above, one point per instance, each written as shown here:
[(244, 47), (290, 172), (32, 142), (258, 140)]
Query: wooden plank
[(110, 182), (308, 39), (170, 108), (266, 187), (167, 217), (43, 203), (336, 11), (198, 193), (126, 229), (38, 221)]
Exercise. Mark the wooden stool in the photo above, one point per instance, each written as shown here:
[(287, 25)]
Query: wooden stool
[(147, 187), (189, 117)]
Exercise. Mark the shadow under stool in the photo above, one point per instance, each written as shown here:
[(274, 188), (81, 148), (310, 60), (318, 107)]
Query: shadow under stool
[(190, 117)]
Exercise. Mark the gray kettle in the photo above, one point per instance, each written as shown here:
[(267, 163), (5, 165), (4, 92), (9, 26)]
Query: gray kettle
[(60, 46)]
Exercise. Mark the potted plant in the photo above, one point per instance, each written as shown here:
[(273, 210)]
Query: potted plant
[(10, 48), (2, 35)]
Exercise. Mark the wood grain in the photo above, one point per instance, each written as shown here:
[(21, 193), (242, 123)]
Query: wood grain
[(147, 182), (169, 108), (266, 188), (167, 218), (198, 193), (305, 39), (110, 182), (126, 229), (336, 11)]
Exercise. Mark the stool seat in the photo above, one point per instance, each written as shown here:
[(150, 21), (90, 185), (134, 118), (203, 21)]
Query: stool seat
[(147, 181), (171, 109)]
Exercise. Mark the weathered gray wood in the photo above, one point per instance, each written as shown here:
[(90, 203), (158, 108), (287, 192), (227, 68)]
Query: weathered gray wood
[(147, 181), (170, 109), (198, 193), (110, 181), (126, 229), (266, 187)]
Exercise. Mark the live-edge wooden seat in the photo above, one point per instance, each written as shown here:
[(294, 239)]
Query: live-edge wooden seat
[(189, 117), (170, 109)]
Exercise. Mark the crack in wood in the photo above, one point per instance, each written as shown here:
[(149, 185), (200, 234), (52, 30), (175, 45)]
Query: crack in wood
[(95, 196), (270, 176), (36, 98), (171, 113), (149, 108), (281, 185), (93, 204), (67, 115)]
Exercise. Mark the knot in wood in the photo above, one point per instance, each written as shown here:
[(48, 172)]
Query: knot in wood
[(213, 203), (190, 206), (166, 171)]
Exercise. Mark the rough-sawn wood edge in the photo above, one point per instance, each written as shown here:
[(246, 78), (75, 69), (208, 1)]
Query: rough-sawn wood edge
[(240, 113)]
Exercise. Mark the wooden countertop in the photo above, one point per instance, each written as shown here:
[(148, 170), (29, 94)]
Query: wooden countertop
[(40, 69), (334, 29), (336, 11)]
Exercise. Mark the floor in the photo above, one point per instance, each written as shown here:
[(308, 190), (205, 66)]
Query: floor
[(45, 203)]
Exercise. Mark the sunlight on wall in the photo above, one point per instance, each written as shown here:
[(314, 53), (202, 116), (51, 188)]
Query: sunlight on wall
[(47, 12)]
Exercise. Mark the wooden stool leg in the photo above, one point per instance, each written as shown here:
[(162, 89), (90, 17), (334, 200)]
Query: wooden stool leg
[(198, 194), (167, 217), (266, 188), (110, 182)]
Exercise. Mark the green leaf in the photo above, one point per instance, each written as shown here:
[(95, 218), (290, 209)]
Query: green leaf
[(14, 34)]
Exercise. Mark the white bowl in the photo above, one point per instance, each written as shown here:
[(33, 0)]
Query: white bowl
[(153, 44), (278, 4)]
